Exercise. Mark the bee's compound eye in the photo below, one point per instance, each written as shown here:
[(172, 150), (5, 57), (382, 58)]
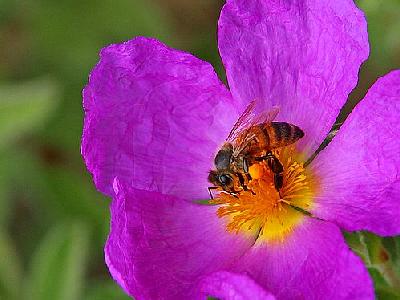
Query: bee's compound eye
[(224, 179)]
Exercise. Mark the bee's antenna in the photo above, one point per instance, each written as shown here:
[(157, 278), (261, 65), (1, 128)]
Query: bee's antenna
[(209, 191)]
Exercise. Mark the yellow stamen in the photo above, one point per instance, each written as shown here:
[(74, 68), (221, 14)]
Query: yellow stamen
[(263, 210)]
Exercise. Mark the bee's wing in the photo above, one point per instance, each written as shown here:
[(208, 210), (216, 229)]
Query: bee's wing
[(267, 116), (242, 122), (249, 118)]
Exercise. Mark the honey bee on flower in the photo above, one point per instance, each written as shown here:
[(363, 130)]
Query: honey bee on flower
[(252, 140)]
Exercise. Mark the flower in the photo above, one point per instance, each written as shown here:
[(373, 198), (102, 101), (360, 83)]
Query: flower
[(227, 285), (155, 118)]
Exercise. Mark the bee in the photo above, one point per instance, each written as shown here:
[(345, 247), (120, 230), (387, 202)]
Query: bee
[(251, 140)]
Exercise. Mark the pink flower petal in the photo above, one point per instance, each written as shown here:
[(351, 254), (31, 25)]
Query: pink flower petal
[(230, 286), (160, 246), (303, 56), (154, 117), (359, 171), (313, 263)]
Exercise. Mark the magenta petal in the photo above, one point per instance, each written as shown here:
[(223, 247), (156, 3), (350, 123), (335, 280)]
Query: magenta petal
[(359, 171), (154, 117), (313, 263), (159, 246), (303, 56), (230, 286)]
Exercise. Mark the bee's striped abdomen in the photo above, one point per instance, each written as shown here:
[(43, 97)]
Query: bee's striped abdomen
[(282, 134)]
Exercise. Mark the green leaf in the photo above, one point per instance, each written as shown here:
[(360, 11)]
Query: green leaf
[(379, 260), (5, 203), (75, 55), (106, 290), (74, 195), (10, 269), (378, 279), (354, 240), (24, 107), (392, 244), (16, 169), (376, 252), (58, 265), (368, 246), (387, 294), (383, 27)]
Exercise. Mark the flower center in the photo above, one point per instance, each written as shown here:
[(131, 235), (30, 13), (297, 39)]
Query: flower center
[(262, 209)]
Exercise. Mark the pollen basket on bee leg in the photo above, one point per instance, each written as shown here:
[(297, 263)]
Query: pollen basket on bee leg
[(264, 210)]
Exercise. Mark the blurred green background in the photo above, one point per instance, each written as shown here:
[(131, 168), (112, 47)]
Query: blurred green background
[(53, 223)]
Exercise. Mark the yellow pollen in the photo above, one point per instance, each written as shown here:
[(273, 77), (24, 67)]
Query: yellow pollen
[(262, 209)]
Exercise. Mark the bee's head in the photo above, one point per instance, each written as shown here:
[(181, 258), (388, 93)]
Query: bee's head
[(223, 158), (222, 179)]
